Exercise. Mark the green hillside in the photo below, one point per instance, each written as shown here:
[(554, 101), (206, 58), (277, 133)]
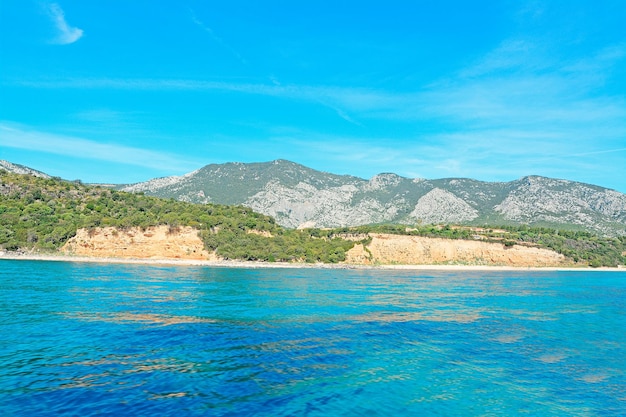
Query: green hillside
[(42, 214)]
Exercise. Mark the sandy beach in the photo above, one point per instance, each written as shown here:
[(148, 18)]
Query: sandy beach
[(253, 264)]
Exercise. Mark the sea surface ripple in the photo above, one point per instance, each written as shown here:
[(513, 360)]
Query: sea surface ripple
[(81, 339)]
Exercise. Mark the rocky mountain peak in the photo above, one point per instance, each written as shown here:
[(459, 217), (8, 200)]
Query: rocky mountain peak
[(381, 181), (441, 206)]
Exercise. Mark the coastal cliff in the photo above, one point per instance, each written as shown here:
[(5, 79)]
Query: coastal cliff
[(159, 242), (386, 249), (162, 242)]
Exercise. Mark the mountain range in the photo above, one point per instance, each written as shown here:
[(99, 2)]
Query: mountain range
[(298, 196)]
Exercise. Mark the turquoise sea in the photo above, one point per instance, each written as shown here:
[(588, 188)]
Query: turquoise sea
[(81, 339)]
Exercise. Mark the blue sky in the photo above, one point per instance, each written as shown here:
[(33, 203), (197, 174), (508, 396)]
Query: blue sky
[(123, 91)]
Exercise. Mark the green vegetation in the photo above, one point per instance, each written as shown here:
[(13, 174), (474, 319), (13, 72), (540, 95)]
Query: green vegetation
[(580, 246), (42, 214)]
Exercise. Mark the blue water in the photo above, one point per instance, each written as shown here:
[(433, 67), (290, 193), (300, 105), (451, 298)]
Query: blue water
[(96, 339)]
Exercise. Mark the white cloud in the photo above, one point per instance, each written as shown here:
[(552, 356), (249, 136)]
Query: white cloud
[(510, 55), (22, 137), (66, 34)]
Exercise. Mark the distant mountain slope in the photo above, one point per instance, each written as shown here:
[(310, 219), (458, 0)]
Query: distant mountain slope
[(299, 196), (21, 169), (234, 182)]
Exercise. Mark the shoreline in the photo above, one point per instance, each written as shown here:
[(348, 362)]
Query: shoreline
[(283, 265)]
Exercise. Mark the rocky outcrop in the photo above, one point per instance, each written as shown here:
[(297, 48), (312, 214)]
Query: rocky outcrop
[(161, 242), (306, 204), (21, 169), (385, 249), (440, 206)]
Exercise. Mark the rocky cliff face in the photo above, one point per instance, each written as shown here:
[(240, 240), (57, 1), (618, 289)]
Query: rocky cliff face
[(155, 242), (441, 206), (387, 249), (299, 196)]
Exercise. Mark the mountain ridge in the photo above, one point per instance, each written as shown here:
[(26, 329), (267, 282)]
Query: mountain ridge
[(298, 196)]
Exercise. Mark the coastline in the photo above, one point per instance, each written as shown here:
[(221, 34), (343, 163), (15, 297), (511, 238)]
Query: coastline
[(255, 264)]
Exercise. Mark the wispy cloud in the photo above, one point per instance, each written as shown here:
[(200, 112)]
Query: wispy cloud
[(66, 34), (561, 156), (501, 155), (216, 38), (14, 135), (510, 113), (341, 100), (510, 55), (489, 92), (491, 119)]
